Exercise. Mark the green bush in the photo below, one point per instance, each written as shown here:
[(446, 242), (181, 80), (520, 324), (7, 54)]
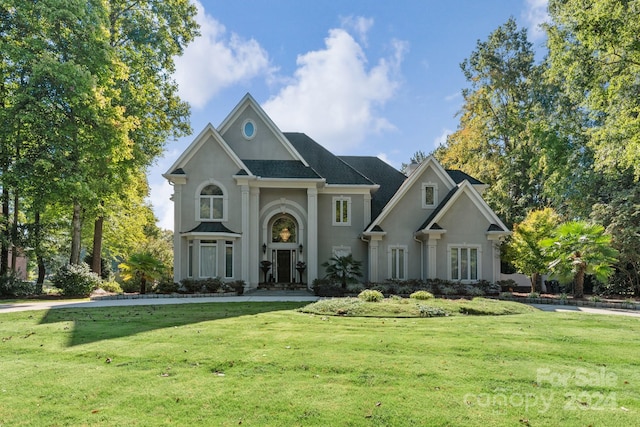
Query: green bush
[(166, 286), (192, 286), (112, 287), (326, 288), (371, 295), (212, 285), (428, 311), (76, 280), (236, 286), (421, 295), (12, 286)]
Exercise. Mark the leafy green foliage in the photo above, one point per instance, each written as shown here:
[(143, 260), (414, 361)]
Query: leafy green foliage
[(12, 286), (343, 269), (370, 295), (142, 266), (76, 280), (577, 248), (421, 295)]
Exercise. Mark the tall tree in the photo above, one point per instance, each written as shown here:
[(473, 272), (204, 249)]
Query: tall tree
[(498, 133), (594, 51)]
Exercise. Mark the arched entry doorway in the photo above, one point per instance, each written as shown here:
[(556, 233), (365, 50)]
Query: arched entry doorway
[(284, 243)]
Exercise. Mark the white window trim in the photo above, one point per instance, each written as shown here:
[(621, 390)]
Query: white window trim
[(426, 185), (215, 261), (391, 260), (333, 211), (225, 201), (255, 129), (233, 259), (457, 247)]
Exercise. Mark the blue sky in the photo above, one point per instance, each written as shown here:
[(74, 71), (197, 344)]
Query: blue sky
[(361, 77)]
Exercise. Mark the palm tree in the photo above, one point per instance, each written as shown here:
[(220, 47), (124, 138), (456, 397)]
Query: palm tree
[(577, 248), (144, 266), (343, 268)]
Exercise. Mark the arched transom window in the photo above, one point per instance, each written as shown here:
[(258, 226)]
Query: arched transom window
[(284, 230), (211, 203)]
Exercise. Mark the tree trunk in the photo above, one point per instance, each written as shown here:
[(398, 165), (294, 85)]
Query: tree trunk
[(579, 290), (14, 233), (42, 270), (76, 233), (6, 238), (96, 262), (534, 282), (143, 285)]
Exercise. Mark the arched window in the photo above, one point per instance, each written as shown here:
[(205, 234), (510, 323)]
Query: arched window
[(284, 230), (211, 203)]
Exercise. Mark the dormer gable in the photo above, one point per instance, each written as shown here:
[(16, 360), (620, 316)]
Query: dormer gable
[(252, 135)]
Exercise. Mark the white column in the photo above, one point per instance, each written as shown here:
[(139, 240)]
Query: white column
[(367, 209), (246, 238), (312, 235), (373, 260), (254, 237), (432, 258), (177, 227)]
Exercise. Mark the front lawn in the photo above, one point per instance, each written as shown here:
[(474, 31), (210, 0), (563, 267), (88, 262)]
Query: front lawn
[(267, 364)]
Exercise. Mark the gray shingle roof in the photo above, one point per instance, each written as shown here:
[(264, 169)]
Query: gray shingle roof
[(211, 227), (280, 169), (380, 173), (459, 176), (323, 162)]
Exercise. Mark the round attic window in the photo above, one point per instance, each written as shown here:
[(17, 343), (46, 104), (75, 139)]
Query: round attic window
[(248, 129)]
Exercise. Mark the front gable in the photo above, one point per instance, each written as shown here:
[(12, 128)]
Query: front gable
[(252, 135), (410, 197)]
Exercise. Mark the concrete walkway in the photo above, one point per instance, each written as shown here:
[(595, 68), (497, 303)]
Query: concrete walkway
[(579, 309)]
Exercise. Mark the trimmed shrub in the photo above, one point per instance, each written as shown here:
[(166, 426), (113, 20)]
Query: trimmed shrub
[(76, 280), (12, 286), (166, 286), (421, 295), (371, 295), (428, 311), (325, 288), (236, 286), (192, 286), (112, 287), (212, 285)]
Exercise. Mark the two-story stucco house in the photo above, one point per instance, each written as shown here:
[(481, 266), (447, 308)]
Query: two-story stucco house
[(246, 192)]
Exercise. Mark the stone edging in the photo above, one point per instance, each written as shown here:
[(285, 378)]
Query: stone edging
[(154, 296), (578, 303)]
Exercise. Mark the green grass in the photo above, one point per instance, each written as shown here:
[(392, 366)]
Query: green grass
[(408, 307), (267, 364)]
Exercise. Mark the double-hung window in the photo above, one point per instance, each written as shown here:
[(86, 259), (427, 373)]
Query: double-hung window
[(464, 262), (342, 210)]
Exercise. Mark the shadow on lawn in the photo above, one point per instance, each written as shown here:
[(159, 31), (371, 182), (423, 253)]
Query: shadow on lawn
[(105, 323)]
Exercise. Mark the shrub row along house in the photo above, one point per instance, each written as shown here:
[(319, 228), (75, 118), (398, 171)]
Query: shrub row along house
[(246, 193)]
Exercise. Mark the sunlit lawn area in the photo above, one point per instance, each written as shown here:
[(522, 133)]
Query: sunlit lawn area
[(267, 364)]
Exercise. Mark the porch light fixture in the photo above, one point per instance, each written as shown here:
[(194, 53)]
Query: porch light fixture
[(264, 248), (301, 247)]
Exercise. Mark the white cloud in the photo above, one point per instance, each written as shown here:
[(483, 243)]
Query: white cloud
[(358, 24), (216, 60), (333, 95), (442, 138), (535, 15), (160, 197)]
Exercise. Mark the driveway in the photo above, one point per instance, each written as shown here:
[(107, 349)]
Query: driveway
[(577, 309)]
